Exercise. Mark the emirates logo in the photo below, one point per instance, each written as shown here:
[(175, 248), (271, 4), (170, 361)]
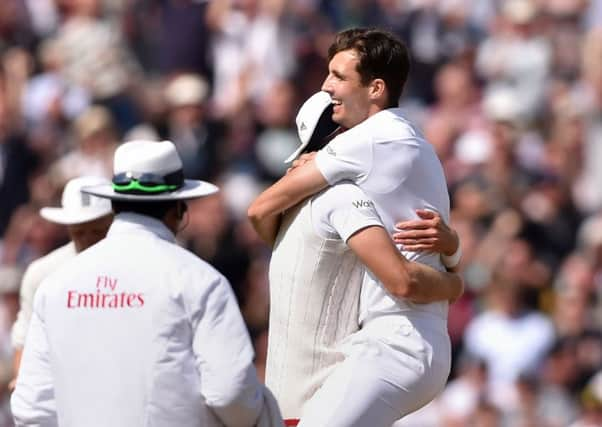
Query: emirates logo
[(105, 296)]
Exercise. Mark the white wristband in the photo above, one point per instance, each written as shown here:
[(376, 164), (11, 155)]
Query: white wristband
[(451, 261)]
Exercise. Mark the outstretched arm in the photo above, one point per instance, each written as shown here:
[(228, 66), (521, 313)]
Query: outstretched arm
[(413, 281), (299, 183)]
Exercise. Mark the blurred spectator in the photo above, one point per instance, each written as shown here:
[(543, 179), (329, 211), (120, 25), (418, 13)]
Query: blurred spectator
[(556, 406), (463, 395), (574, 297), (456, 110), (590, 242), (490, 152), (184, 37), (48, 97), (516, 55), (522, 338), (589, 93), (95, 57), (169, 37), (189, 126), (210, 234), (486, 415), (43, 15), (17, 164), (435, 33), (251, 49), (48, 102), (552, 219), (15, 25), (95, 143), (277, 137), (29, 237)]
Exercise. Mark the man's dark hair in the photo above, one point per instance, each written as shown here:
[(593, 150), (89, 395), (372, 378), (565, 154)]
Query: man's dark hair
[(153, 209), (381, 56)]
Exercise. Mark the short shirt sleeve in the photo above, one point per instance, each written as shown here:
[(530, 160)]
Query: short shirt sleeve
[(347, 157), (342, 210)]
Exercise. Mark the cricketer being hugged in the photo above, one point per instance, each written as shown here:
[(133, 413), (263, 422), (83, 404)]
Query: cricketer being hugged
[(379, 347)]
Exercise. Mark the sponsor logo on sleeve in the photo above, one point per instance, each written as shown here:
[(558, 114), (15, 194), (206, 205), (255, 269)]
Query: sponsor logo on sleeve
[(359, 204), (106, 295), (331, 151)]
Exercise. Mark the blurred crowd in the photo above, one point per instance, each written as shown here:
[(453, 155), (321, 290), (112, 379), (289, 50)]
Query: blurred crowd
[(508, 91)]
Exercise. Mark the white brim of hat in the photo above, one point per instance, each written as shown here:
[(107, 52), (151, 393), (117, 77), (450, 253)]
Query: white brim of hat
[(72, 217), (192, 189), (307, 119), (297, 152)]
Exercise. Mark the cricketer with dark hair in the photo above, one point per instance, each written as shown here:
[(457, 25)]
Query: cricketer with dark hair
[(400, 359)]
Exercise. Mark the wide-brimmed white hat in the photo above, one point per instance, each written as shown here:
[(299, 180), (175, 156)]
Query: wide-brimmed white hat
[(77, 207), (150, 171), (314, 123)]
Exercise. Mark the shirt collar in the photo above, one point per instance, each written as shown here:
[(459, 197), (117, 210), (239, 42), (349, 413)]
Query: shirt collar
[(128, 223)]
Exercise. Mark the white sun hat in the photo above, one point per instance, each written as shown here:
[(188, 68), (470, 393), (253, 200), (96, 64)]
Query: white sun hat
[(77, 207), (314, 123), (150, 171)]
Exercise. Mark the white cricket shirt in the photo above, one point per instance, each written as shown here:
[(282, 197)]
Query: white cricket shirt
[(315, 282), (399, 170), (137, 331)]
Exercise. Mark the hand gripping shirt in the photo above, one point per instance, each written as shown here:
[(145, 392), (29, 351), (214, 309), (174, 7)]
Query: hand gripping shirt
[(137, 331), (399, 170)]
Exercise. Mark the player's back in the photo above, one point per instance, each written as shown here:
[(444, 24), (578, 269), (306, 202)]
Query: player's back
[(314, 292)]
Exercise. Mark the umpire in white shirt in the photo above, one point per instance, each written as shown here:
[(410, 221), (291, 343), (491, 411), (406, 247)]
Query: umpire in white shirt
[(137, 331), (87, 219)]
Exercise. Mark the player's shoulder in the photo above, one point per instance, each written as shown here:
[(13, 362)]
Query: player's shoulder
[(391, 124), (45, 265), (342, 191), (341, 197)]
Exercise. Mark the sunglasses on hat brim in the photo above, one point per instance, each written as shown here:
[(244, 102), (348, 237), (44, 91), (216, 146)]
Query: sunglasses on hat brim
[(145, 183)]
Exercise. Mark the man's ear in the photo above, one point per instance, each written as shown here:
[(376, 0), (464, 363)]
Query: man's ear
[(181, 207), (378, 89)]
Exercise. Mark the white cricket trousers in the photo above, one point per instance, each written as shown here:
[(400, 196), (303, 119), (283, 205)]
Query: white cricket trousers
[(393, 366)]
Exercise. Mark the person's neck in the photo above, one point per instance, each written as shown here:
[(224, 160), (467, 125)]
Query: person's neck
[(375, 108)]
